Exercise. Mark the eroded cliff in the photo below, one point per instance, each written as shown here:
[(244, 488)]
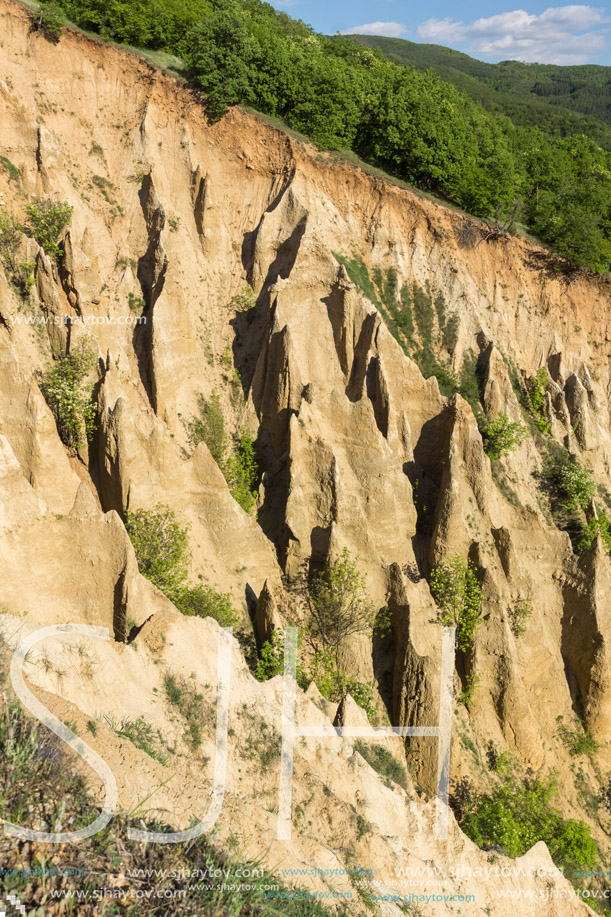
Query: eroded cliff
[(173, 216)]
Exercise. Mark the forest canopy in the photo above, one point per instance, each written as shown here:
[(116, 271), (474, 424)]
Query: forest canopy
[(407, 121)]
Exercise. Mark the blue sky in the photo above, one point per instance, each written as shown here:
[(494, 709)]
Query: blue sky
[(575, 34)]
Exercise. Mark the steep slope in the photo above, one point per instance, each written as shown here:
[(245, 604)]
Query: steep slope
[(175, 215)]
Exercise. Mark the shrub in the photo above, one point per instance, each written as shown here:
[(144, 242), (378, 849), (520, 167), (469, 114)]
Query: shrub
[(10, 239), (161, 546), (46, 219), (136, 303), (20, 273), (242, 473), (518, 614), (338, 609), (502, 436), (574, 484), (516, 817), (337, 605), (536, 391), (271, 658), (472, 682), (458, 595), (381, 760), (50, 21), (592, 529), (244, 301), (578, 741), (63, 388), (334, 683), (239, 463), (205, 602), (209, 428)]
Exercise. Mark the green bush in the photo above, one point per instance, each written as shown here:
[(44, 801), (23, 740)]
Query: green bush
[(383, 762), (46, 219), (242, 473), (337, 609), (471, 684), (458, 595), (571, 490), (575, 485), (238, 462), (205, 602), (20, 273), (515, 817), (592, 529), (536, 391), (578, 741), (209, 427), (244, 301), (10, 239), (50, 21), (271, 658), (161, 547), (334, 683), (501, 436), (64, 391), (337, 605)]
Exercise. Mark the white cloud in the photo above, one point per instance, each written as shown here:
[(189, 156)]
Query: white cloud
[(556, 36), (389, 29)]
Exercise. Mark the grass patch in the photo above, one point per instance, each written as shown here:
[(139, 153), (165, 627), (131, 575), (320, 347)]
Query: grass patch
[(183, 695), (142, 735), (383, 762), (13, 171)]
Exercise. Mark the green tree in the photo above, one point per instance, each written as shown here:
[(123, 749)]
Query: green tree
[(218, 54), (337, 605)]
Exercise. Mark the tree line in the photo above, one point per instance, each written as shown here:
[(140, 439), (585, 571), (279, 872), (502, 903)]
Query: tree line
[(409, 122)]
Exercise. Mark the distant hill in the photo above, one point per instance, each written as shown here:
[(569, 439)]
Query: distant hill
[(559, 100)]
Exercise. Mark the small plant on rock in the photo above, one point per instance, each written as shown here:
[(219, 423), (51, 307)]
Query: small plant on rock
[(595, 526), (536, 392), (64, 391), (578, 741), (458, 596), (205, 602), (518, 615), (244, 301), (209, 427), (161, 546), (501, 436), (46, 220), (383, 762)]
